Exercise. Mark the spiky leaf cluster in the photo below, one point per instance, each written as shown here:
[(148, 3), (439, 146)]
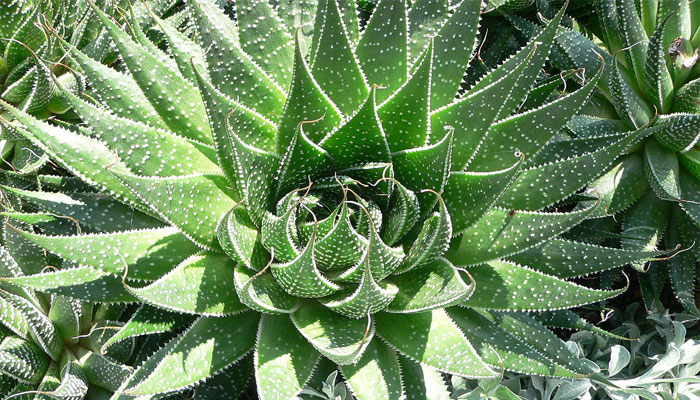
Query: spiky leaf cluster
[(651, 80), (316, 196), (33, 61)]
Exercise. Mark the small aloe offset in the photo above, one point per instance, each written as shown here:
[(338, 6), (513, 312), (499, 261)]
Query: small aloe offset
[(290, 195)]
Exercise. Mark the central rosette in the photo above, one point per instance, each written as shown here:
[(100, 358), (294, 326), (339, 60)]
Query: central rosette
[(342, 241)]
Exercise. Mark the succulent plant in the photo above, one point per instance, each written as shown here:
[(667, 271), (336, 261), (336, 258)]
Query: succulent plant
[(651, 78), (317, 197), (50, 343)]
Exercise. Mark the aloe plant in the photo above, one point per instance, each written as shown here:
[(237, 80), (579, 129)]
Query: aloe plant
[(317, 197), (651, 78)]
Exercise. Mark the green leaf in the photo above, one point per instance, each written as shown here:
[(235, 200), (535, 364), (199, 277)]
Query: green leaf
[(230, 118), (435, 285), (261, 292), (148, 253), (403, 214), (472, 115), (376, 375), (144, 148), (265, 39), (300, 277), (342, 246), (424, 168), (185, 52), (202, 284), (163, 87), (578, 51), (454, 45), (691, 161), (229, 384), (256, 171), (240, 239), (334, 64), (570, 320), (115, 90), (690, 188), (535, 188), (661, 168), (620, 187), (532, 56), (41, 329), (630, 106), (22, 360), (425, 17), (234, 72), (382, 47), (657, 80), (306, 102), (205, 349), (26, 33), (536, 336), (279, 234), (644, 224), (350, 23), (501, 233), (501, 349), (303, 160), (634, 37), (49, 382), (147, 320), (85, 157), (405, 115), (422, 382), (14, 319), (432, 241), (9, 268), (381, 259), (82, 282), (341, 339), (680, 132), (94, 210), (681, 268), (194, 203), (137, 34), (434, 340), (678, 14), (359, 140), (513, 133), (284, 360), (567, 259), (73, 384), (511, 287), (474, 193), (299, 14), (101, 370), (370, 296)]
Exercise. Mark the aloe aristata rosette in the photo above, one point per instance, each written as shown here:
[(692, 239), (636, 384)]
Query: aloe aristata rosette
[(313, 194), (651, 77)]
